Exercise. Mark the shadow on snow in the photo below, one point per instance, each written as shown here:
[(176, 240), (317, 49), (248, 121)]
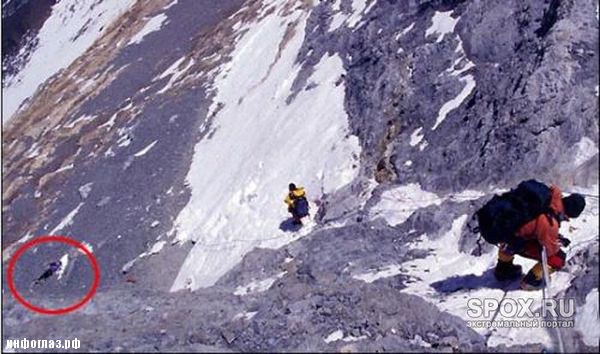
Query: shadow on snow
[(289, 226), (471, 282)]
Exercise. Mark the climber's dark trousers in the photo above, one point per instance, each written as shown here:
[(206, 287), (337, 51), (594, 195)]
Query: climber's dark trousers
[(47, 274)]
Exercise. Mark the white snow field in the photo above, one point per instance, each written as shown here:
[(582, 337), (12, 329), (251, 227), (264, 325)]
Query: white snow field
[(69, 31), (260, 143), (446, 261)]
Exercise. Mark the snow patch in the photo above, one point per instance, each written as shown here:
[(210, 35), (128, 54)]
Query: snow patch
[(8, 251), (359, 9), (175, 72), (456, 101), (467, 195), (338, 17), (416, 137), (419, 341), (352, 338), (257, 286), (157, 247), (111, 121), (173, 3), (334, 336), (84, 191), (386, 272), (585, 149), (124, 141), (466, 63), (127, 266), (245, 315), (109, 152), (398, 204), (83, 118), (145, 150), (33, 151), (64, 260), (64, 168), (68, 220), (154, 24), (404, 31), (442, 24), (445, 259)]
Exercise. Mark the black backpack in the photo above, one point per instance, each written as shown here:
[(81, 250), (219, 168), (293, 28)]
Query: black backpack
[(501, 217), (301, 207)]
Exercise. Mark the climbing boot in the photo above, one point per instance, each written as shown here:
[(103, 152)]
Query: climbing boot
[(531, 283), (507, 271)]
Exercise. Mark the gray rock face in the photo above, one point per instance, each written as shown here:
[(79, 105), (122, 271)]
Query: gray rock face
[(523, 76), (584, 266), (530, 101)]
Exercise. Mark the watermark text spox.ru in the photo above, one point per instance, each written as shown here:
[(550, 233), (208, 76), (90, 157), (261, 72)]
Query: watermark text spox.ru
[(520, 308)]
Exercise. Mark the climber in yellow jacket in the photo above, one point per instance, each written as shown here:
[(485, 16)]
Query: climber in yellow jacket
[(297, 203)]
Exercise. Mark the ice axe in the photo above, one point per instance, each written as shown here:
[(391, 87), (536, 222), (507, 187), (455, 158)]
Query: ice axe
[(561, 347), (545, 267)]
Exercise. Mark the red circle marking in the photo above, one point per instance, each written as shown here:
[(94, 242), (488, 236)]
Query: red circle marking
[(43, 239)]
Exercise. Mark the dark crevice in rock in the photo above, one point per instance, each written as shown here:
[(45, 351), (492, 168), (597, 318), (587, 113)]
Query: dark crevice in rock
[(549, 19), (555, 124), (485, 143)]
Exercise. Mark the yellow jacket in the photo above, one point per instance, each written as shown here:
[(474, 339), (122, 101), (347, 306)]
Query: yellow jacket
[(293, 195)]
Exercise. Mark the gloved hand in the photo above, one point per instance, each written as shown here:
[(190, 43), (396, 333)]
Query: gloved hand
[(564, 241)]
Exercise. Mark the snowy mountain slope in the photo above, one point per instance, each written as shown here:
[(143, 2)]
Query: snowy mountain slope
[(104, 137), (171, 141), (237, 190), (71, 28)]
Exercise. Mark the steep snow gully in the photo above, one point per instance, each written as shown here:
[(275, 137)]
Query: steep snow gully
[(165, 133), (238, 173)]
